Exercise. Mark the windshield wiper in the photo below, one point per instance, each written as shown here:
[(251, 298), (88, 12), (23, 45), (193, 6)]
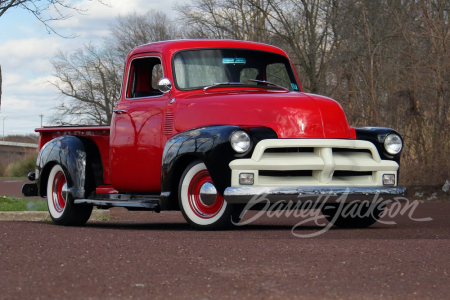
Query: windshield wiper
[(268, 82), (221, 83)]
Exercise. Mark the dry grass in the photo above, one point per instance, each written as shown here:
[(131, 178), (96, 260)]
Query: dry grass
[(20, 168)]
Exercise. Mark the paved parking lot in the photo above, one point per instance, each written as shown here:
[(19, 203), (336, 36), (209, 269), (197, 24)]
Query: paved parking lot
[(142, 255)]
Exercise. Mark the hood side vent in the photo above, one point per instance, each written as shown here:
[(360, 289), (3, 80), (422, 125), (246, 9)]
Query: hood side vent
[(168, 123)]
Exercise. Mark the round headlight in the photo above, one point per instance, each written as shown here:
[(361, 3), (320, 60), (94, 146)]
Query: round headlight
[(393, 144), (240, 141)]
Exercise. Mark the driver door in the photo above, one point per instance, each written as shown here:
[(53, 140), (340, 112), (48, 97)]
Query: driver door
[(136, 130)]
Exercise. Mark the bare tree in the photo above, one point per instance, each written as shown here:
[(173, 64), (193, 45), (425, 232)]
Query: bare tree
[(41, 10), (367, 52), (304, 28), (134, 29), (233, 19), (89, 79), (89, 82), (44, 10)]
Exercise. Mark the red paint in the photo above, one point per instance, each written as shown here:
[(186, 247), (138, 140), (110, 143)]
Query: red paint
[(59, 203), (132, 151), (106, 189), (352, 133), (99, 134), (61, 182), (290, 114)]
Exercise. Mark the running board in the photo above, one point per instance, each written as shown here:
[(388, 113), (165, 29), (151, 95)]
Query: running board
[(143, 204)]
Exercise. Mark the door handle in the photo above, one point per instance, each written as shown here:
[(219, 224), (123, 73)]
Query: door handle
[(119, 111)]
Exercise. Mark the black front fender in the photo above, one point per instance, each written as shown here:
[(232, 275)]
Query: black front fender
[(212, 146), (377, 135)]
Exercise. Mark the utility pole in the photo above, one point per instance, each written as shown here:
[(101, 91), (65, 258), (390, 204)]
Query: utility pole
[(3, 137), (41, 115)]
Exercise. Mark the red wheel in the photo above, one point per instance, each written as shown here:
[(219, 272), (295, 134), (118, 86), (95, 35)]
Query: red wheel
[(61, 208), (57, 192), (202, 206), (204, 200), (59, 195)]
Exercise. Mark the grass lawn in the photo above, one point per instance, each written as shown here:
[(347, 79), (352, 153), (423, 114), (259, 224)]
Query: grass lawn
[(20, 204)]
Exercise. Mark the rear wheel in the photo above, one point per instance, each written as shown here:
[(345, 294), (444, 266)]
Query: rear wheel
[(60, 206), (353, 215), (202, 206)]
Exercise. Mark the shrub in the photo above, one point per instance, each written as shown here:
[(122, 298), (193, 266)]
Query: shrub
[(2, 170), (22, 167)]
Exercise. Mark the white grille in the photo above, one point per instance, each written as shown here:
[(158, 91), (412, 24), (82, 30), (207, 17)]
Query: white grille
[(320, 164)]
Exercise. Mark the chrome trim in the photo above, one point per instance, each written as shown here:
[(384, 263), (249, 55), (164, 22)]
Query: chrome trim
[(128, 77), (208, 194), (243, 195), (164, 85), (64, 191), (119, 111), (395, 179), (119, 203)]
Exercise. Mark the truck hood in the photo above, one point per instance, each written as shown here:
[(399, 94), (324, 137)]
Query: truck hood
[(290, 114)]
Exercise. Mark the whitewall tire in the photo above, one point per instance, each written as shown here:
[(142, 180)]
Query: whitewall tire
[(202, 206), (60, 206)]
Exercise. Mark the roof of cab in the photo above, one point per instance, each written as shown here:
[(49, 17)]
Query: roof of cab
[(172, 46)]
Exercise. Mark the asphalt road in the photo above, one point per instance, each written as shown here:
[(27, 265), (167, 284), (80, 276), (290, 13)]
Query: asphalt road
[(143, 255), (13, 187)]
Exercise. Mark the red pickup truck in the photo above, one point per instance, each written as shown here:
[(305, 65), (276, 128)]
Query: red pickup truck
[(204, 126)]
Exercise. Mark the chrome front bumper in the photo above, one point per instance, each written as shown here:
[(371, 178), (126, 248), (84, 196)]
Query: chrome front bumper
[(243, 195)]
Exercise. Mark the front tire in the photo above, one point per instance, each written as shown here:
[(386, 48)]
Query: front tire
[(367, 215), (200, 203), (60, 205)]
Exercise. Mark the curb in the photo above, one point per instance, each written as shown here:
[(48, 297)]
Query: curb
[(97, 215)]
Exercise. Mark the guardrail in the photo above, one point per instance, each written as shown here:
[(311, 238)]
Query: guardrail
[(21, 145)]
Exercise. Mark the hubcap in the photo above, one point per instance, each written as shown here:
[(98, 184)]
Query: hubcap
[(208, 194), (64, 191)]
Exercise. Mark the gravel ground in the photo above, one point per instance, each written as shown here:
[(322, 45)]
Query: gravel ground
[(143, 255)]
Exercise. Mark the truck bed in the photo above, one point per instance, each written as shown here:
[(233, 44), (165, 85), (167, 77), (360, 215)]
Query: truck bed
[(98, 134)]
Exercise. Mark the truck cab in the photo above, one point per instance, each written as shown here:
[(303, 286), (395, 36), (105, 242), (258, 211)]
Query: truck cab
[(206, 127)]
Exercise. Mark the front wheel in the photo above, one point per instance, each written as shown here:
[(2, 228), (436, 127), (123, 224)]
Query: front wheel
[(353, 215), (61, 208), (202, 206)]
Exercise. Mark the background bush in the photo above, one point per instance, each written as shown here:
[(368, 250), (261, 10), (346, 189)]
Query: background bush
[(2, 169), (22, 167)]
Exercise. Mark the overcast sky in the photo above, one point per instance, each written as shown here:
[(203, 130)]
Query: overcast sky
[(26, 50)]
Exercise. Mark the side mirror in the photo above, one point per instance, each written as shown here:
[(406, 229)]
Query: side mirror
[(164, 85)]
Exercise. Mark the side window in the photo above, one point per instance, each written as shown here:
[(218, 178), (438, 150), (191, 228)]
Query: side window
[(157, 74), (249, 73), (276, 73), (144, 76)]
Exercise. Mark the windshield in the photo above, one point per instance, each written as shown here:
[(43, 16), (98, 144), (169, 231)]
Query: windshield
[(195, 69)]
